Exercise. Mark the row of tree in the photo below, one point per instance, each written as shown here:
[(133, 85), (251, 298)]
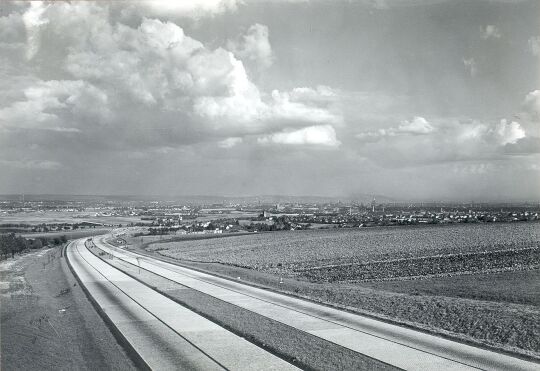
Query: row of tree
[(11, 244)]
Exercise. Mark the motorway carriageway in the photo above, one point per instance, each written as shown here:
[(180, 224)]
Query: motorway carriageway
[(394, 345), (164, 334)]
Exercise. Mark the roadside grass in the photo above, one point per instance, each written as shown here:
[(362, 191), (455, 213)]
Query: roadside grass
[(47, 322)]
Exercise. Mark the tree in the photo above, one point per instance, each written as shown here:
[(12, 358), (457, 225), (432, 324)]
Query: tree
[(10, 244), (36, 244)]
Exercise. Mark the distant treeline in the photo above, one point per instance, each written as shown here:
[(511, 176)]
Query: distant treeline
[(11, 244)]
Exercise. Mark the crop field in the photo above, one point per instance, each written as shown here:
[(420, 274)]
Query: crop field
[(70, 235), (51, 217), (476, 282), (371, 253)]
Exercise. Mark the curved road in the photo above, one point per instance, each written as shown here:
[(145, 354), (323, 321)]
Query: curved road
[(166, 335), (394, 345)]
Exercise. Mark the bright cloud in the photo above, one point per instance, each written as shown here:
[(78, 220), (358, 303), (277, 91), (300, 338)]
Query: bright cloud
[(230, 142), (191, 8), (441, 141), (508, 132), (284, 107), (320, 93), (417, 126), (150, 77), (33, 20), (323, 135)]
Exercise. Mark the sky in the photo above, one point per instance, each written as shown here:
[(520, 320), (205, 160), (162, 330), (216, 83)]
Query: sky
[(431, 100)]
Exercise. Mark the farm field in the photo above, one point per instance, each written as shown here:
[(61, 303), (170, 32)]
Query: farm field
[(518, 287), (206, 217), (402, 249), (478, 283), (145, 240), (51, 217), (70, 234)]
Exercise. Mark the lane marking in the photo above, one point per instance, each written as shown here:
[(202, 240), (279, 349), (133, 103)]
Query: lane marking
[(152, 314)]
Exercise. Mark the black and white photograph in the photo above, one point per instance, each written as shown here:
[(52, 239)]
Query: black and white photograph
[(253, 185)]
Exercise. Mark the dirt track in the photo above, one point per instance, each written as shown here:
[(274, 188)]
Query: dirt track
[(46, 321)]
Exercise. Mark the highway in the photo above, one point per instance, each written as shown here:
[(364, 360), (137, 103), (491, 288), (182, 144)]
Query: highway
[(164, 334), (394, 345)]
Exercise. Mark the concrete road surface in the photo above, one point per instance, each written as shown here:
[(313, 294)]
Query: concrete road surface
[(166, 335)]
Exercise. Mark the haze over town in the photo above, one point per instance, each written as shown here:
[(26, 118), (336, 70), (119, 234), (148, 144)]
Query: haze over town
[(407, 99)]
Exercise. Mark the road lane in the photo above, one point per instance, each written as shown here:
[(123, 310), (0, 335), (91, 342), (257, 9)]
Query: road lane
[(399, 346), (165, 334)]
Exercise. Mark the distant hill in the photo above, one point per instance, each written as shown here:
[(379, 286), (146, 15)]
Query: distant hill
[(200, 199)]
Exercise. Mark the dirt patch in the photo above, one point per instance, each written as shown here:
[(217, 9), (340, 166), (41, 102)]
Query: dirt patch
[(46, 321)]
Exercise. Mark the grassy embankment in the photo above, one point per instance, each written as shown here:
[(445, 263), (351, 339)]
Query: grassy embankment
[(46, 321)]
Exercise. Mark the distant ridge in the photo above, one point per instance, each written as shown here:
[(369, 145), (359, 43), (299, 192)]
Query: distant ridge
[(262, 199)]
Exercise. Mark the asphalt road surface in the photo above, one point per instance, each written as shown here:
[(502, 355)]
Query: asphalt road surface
[(394, 345)]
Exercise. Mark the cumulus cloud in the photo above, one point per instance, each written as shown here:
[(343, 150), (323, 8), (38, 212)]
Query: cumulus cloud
[(150, 83), (487, 136), (46, 99), (192, 8), (34, 20), (253, 46), (321, 93), (490, 32), (444, 140), (230, 142), (417, 126), (322, 135), (289, 108), (508, 132)]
